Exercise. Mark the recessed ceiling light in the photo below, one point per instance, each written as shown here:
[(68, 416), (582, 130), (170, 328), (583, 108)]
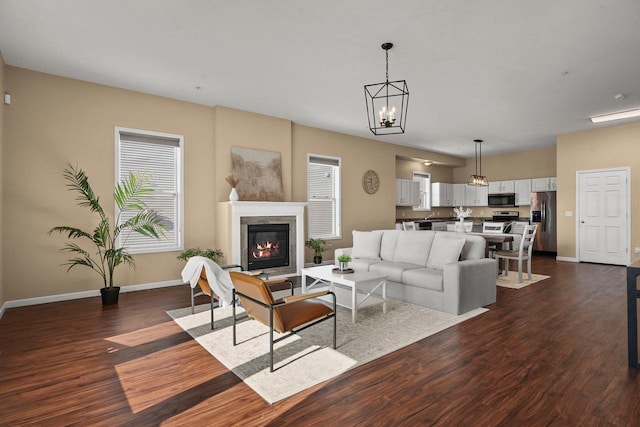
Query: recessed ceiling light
[(616, 116), (619, 96)]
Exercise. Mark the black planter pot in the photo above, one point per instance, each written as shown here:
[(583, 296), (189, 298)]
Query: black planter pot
[(317, 259), (110, 295)]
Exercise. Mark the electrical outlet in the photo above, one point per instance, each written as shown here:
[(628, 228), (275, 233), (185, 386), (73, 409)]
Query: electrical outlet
[(637, 249), (568, 213)]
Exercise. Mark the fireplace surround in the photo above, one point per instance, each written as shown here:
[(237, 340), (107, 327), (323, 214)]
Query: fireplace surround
[(233, 224)]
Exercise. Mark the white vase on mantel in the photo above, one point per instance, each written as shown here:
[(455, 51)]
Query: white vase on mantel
[(233, 196)]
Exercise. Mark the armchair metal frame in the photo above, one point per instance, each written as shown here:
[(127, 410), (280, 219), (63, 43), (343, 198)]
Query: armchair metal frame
[(282, 302)]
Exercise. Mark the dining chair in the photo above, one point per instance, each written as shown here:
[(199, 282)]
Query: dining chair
[(524, 252), (408, 226), (492, 228), (288, 315)]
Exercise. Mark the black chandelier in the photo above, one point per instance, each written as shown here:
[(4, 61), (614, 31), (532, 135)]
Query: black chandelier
[(478, 180), (382, 100)]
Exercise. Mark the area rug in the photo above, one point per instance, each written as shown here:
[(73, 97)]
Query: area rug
[(307, 359), (511, 280)]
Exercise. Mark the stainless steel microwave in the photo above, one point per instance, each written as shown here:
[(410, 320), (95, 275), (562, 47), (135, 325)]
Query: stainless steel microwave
[(502, 199)]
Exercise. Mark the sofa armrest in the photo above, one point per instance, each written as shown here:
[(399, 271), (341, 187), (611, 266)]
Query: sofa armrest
[(469, 284), (341, 251)]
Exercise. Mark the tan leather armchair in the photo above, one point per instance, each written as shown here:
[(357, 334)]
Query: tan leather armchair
[(290, 314)]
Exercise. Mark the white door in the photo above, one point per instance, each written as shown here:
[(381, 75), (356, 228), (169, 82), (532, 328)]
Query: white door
[(603, 216)]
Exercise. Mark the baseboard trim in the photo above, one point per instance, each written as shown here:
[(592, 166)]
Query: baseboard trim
[(84, 294), (568, 259)]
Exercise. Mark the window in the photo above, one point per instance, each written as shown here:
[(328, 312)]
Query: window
[(425, 190), (160, 156), (323, 194)]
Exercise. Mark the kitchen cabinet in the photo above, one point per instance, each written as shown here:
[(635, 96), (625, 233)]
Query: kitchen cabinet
[(407, 192), (499, 187), (523, 192), (441, 194), (476, 196), (459, 194), (544, 184)]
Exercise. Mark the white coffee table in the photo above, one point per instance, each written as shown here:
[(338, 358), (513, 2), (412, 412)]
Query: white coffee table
[(352, 290)]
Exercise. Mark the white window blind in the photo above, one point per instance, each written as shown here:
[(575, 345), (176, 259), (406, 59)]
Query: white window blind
[(323, 192), (160, 157)]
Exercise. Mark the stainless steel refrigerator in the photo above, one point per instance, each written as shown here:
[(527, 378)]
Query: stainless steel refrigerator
[(543, 213)]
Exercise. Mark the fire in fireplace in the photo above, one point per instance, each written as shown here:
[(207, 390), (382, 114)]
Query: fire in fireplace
[(267, 246)]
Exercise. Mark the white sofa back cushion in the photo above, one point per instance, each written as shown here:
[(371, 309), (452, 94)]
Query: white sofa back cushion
[(389, 244), (445, 249), (413, 247), (366, 244)]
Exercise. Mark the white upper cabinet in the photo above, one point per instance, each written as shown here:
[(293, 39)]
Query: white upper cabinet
[(544, 184), (441, 194), (498, 187), (523, 192), (459, 194), (407, 192), (476, 196)]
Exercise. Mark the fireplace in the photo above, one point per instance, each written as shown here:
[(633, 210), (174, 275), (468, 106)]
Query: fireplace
[(233, 224), (267, 246)]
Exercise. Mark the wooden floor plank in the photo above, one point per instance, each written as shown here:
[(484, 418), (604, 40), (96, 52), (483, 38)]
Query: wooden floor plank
[(553, 353)]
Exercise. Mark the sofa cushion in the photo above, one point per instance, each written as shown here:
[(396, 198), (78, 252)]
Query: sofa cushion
[(445, 249), (362, 264), (366, 244), (393, 270), (427, 278), (413, 247), (389, 244)]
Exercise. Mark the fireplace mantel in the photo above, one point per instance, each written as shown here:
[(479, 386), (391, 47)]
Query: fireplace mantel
[(229, 226)]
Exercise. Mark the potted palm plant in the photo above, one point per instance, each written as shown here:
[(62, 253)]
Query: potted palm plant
[(318, 246), (129, 195)]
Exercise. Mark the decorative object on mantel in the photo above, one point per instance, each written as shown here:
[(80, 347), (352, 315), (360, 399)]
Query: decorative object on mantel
[(260, 174), (370, 182), (233, 195), (461, 214), (478, 180), (381, 112), (318, 246)]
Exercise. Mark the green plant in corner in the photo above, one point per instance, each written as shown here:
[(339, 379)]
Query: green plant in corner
[(129, 195), (213, 254), (318, 246)]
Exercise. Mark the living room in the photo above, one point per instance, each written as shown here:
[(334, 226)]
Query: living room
[(52, 120)]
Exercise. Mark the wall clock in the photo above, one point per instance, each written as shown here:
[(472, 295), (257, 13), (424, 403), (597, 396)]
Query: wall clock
[(370, 182)]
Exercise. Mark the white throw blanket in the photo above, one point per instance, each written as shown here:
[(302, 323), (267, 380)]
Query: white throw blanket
[(219, 279)]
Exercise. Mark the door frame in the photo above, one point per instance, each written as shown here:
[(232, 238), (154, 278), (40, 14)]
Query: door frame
[(627, 171)]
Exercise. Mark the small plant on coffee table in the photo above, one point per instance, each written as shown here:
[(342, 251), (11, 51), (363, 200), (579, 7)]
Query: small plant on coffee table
[(343, 261)]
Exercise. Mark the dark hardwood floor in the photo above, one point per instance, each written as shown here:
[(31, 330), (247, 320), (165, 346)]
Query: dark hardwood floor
[(550, 354)]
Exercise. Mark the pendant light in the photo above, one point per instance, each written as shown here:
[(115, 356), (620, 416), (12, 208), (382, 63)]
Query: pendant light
[(387, 103), (478, 180)]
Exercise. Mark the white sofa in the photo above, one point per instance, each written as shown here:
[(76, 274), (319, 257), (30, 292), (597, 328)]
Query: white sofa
[(437, 269)]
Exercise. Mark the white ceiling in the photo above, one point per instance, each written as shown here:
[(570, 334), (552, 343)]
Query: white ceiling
[(513, 72)]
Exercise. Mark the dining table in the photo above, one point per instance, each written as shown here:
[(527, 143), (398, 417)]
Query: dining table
[(504, 240)]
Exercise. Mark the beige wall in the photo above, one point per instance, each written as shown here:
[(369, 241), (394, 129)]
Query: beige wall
[(360, 211), (539, 163), (604, 148), (53, 120), (2, 112)]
